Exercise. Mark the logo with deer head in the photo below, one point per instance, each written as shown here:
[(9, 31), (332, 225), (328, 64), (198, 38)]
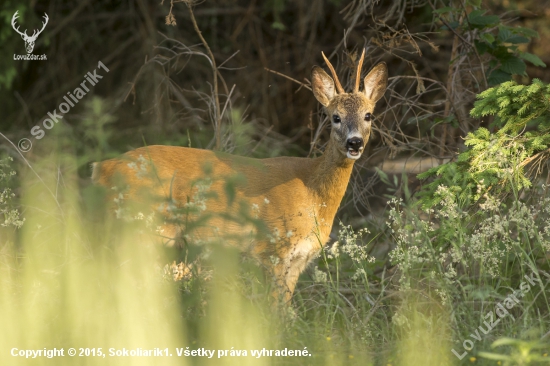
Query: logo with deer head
[(29, 40)]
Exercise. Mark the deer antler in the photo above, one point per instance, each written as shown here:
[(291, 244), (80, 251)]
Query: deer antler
[(15, 16), (336, 81), (358, 77)]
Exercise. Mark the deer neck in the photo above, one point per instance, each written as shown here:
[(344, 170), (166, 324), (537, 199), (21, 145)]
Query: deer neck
[(329, 182)]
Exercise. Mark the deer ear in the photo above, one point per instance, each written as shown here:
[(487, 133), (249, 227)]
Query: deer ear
[(322, 85), (376, 82)]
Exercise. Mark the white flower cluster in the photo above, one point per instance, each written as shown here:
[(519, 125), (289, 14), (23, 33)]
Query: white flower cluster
[(256, 208), (349, 242), (319, 276), (198, 202), (451, 238), (141, 167), (274, 236), (350, 245)]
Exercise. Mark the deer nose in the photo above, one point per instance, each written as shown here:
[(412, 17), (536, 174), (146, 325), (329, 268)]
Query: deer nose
[(354, 143)]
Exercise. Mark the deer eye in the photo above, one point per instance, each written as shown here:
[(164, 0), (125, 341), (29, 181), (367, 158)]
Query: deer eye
[(336, 119), (368, 117)]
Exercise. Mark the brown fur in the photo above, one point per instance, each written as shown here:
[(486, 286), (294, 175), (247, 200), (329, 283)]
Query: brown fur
[(303, 194)]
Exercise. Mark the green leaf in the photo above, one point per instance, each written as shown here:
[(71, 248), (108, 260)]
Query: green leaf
[(517, 40), (487, 37), (278, 25), (504, 33), (477, 19), (230, 191), (528, 32), (513, 65), (495, 356), (443, 10), (535, 60), (498, 76), (505, 341), (501, 53), (383, 176), (453, 25), (475, 13), (476, 3), (481, 47)]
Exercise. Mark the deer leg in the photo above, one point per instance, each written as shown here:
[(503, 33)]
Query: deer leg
[(287, 273), (281, 293)]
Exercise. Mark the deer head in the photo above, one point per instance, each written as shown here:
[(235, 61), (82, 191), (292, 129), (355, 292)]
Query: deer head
[(351, 113), (29, 40)]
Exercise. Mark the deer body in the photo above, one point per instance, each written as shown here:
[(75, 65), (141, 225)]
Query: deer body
[(296, 198)]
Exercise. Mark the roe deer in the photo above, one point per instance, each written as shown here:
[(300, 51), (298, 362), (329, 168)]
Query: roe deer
[(297, 198)]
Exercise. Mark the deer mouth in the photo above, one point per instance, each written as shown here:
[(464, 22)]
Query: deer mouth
[(354, 153)]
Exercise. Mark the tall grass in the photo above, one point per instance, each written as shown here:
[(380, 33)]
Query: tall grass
[(73, 275), (65, 285)]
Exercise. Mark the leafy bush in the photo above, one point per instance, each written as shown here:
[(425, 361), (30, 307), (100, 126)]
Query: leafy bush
[(492, 37), (496, 161)]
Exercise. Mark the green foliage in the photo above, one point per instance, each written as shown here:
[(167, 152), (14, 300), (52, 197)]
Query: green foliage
[(523, 352), (7, 207), (276, 7), (496, 161), (395, 188), (492, 37), (95, 124), (472, 260), (507, 60)]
